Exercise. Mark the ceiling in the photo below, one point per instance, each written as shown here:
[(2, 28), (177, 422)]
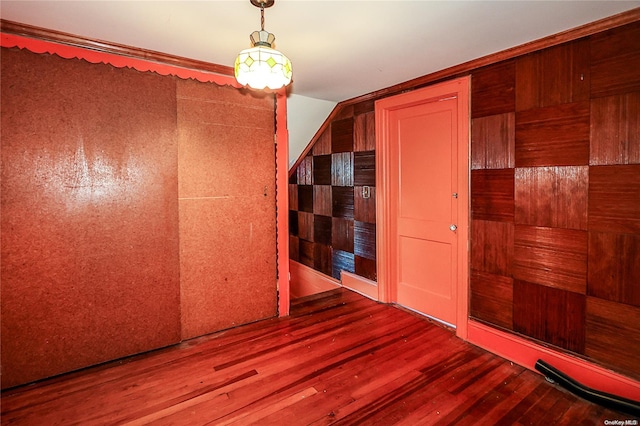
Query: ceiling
[(339, 49)]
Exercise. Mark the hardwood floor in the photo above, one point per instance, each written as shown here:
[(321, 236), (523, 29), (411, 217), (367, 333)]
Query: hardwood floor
[(338, 359)]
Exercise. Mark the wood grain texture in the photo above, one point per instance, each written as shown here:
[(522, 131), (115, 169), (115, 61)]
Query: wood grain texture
[(366, 268), (322, 145), (553, 76), (305, 171), (612, 335), (338, 359), (493, 142), (322, 200), (342, 135), (364, 132), (305, 198), (553, 257), (493, 89), (293, 196), (305, 226), (364, 168), (322, 258), (294, 248), (343, 200), (549, 314), (614, 199), (615, 130), (342, 234), (614, 267), (342, 169), (552, 196), (615, 60), (492, 298), (322, 229), (322, 169), (342, 261), (553, 136), (365, 239), (364, 209), (306, 252), (492, 194), (492, 247)]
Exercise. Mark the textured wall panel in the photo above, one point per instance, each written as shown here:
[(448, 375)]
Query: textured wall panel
[(552, 196), (305, 171), (342, 135), (364, 132), (342, 261), (322, 169), (323, 144), (342, 199), (90, 266), (557, 75), (322, 229), (492, 196), (364, 208), (306, 252), (612, 335), (492, 298), (614, 199), (615, 61), (492, 246), (305, 226), (614, 277), (322, 258), (293, 222), (615, 130), (549, 314), (553, 136), (365, 239), (294, 248), (493, 89), (493, 141), (364, 168), (551, 256), (293, 196), (366, 268), (342, 234), (322, 200), (227, 207), (305, 198), (342, 169)]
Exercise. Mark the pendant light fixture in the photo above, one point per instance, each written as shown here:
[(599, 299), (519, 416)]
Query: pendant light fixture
[(261, 66)]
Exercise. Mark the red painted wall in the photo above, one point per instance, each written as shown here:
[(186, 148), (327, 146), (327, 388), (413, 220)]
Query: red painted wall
[(93, 230)]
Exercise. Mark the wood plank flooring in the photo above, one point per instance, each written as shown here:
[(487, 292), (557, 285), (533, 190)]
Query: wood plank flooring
[(338, 359)]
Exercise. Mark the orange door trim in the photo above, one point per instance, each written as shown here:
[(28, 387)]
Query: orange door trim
[(385, 206)]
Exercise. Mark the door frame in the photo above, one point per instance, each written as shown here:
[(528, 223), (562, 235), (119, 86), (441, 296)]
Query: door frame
[(386, 222)]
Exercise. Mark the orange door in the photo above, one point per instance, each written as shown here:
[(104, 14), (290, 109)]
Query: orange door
[(424, 163)]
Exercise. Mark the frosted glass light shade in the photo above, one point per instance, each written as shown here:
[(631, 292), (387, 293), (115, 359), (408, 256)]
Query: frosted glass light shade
[(261, 66)]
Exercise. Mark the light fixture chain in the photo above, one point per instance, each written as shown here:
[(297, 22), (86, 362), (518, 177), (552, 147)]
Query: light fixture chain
[(262, 17)]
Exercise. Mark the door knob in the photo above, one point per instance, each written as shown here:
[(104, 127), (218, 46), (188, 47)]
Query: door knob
[(453, 227)]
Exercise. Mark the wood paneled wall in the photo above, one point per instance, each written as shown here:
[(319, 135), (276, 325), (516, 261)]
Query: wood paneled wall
[(332, 221), (137, 210), (555, 196)]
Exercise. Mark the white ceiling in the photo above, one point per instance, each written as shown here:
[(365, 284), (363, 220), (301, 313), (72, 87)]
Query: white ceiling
[(339, 49)]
